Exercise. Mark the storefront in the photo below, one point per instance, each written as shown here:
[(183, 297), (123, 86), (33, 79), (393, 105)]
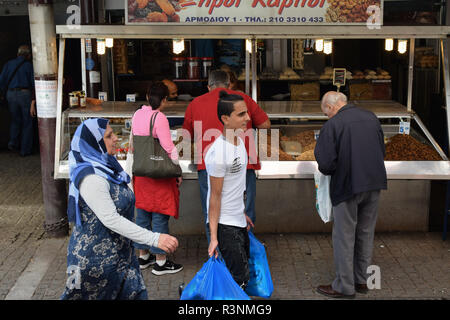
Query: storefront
[(285, 188)]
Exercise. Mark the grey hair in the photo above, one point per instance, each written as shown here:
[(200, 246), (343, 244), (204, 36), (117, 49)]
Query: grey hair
[(333, 97), (218, 78), (23, 50)]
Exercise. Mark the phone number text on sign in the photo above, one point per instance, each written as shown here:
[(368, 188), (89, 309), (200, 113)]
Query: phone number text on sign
[(254, 20)]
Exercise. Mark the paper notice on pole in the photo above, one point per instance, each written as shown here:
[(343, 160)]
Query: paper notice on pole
[(46, 94), (94, 76)]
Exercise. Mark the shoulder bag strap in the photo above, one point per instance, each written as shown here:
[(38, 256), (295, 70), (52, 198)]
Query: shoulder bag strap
[(152, 123), (14, 73)]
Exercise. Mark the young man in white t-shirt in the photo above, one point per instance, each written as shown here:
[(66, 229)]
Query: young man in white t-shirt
[(226, 163)]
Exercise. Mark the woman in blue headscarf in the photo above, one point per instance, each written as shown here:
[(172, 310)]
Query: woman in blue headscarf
[(101, 263)]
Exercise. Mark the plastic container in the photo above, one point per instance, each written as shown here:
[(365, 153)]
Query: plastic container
[(193, 68), (207, 63), (179, 64)]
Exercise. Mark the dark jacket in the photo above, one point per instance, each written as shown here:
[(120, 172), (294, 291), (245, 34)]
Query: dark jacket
[(24, 77), (350, 148)]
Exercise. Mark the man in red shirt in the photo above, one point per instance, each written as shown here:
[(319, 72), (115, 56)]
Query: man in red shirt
[(201, 121)]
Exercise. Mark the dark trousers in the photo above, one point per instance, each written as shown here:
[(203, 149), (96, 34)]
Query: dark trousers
[(21, 129), (234, 246), (353, 234)]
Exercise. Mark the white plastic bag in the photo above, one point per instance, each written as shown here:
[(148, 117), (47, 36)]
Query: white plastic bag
[(323, 200), (129, 161), (129, 169)]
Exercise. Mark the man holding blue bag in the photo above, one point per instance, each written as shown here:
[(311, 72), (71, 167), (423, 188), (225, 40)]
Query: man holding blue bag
[(226, 161)]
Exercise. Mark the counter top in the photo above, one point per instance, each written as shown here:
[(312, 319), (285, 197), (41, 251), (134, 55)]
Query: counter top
[(274, 109)]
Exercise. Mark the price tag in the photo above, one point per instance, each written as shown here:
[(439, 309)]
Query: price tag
[(339, 77), (404, 127), (316, 134)]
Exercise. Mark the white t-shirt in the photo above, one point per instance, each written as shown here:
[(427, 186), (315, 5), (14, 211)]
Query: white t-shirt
[(225, 160)]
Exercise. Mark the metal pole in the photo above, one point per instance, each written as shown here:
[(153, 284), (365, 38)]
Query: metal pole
[(59, 103), (247, 70), (410, 73), (83, 64), (445, 66), (254, 76), (43, 41)]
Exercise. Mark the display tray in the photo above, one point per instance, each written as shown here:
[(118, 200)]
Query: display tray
[(312, 110), (417, 170), (421, 170), (274, 109)]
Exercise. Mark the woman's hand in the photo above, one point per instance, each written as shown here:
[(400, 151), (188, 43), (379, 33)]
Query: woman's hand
[(179, 181), (167, 243)]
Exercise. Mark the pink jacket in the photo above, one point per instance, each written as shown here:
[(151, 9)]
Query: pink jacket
[(141, 127)]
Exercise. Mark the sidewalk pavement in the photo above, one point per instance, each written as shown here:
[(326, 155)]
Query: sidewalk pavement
[(32, 266)]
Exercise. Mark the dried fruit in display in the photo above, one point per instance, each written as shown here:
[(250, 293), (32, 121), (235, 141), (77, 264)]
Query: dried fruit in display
[(306, 156), (403, 147)]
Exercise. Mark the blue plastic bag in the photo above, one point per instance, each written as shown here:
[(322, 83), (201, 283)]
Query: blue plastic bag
[(213, 282), (260, 283)]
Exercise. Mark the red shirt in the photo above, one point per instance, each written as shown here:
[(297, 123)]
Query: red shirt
[(204, 110)]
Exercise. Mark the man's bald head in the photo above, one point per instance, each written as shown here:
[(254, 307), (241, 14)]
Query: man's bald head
[(173, 89), (332, 102)]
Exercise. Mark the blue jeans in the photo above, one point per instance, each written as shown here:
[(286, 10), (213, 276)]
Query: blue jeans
[(249, 201), (21, 130), (156, 222)]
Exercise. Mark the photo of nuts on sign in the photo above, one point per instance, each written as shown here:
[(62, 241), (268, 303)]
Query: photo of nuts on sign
[(349, 10), (153, 10)]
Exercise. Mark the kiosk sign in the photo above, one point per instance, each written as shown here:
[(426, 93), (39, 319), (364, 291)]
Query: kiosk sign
[(265, 12)]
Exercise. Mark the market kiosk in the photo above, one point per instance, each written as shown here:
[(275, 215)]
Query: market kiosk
[(285, 198)]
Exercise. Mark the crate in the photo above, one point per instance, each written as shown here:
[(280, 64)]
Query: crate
[(382, 91), (305, 92), (361, 91)]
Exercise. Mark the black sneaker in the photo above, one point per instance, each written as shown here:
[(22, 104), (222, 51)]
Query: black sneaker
[(168, 267), (145, 263)]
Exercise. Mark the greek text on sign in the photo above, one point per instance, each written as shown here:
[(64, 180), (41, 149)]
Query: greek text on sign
[(46, 93), (266, 12)]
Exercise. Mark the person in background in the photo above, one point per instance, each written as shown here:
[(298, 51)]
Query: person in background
[(350, 149), (18, 78), (234, 83), (173, 95), (203, 109), (100, 257), (156, 199), (226, 161), (173, 89)]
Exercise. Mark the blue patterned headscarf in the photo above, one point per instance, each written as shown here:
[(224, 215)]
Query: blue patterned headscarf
[(87, 156)]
